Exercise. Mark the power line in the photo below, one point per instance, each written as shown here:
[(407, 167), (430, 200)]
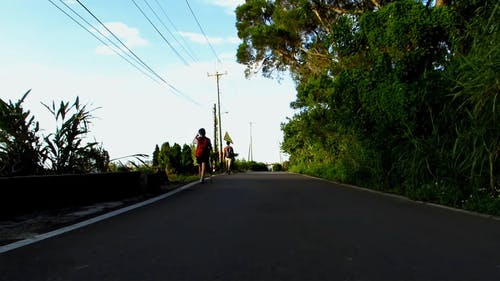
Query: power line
[(95, 36), (184, 46), (175, 90), (167, 29), (118, 39), (202, 31), (159, 32)]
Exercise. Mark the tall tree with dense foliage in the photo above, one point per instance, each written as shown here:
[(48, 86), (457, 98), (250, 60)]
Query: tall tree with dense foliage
[(164, 156), (175, 156), (187, 161), (381, 99), (156, 156)]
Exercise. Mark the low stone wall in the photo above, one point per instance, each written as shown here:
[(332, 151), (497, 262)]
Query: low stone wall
[(33, 193)]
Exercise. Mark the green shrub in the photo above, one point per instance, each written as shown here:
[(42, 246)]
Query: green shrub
[(21, 151)]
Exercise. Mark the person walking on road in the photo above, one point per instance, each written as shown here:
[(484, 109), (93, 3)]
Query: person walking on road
[(228, 156), (203, 148)]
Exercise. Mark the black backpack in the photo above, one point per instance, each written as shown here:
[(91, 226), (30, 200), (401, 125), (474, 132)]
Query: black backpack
[(230, 152)]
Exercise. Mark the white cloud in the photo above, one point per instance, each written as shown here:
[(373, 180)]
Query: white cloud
[(200, 38), (230, 56), (234, 40), (104, 50), (130, 36), (230, 5)]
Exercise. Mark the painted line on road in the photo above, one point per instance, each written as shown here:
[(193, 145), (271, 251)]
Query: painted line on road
[(43, 236)]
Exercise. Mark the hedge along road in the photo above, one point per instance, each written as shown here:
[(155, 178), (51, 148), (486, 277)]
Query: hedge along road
[(269, 226)]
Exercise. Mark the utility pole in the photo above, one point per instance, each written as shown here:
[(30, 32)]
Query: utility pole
[(217, 76), (215, 129), (281, 152), (250, 149)]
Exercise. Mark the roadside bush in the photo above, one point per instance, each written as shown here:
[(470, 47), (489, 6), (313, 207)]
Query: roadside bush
[(65, 150), (23, 152), (277, 167), (244, 166)]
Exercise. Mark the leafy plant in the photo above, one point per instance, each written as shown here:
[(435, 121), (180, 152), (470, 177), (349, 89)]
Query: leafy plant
[(66, 152), (21, 151), (394, 95)]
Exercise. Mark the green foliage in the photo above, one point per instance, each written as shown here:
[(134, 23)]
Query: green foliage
[(289, 35), (164, 156), (176, 160), (187, 162), (402, 97), (242, 165), (476, 92), (277, 167), (135, 162), (23, 153), (482, 201), (156, 154), (175, 178), (66, 151), (21, 150)]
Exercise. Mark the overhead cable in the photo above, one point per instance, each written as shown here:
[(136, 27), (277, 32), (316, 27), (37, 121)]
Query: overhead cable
[(184, 46), (174, 90), (159, 32), (168, 30), (203, 32), (95, 36)]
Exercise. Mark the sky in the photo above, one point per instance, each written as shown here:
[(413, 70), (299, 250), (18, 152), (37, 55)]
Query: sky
[(135, 109)]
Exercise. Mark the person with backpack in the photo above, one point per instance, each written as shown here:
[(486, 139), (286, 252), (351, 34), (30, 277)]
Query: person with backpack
[(203, 148), (228, 156)]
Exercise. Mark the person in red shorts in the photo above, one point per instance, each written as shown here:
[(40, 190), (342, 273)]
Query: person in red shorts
[(203, 148)]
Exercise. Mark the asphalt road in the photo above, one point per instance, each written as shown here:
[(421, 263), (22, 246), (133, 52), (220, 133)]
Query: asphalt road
[(265, 226)]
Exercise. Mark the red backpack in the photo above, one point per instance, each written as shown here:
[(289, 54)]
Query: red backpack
[(203, 146)]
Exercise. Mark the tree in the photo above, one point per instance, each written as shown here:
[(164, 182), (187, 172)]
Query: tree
[(388, 92), (163, 156), (156, 155), (292, 34), (187, 159), (176, 159)]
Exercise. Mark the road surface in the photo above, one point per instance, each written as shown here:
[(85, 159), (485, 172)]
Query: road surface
[(269, 226)]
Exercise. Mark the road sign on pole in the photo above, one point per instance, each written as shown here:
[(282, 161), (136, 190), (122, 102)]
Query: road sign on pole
[(228, 138)]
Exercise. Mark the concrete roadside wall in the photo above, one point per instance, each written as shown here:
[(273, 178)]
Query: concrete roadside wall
[(34, 193)]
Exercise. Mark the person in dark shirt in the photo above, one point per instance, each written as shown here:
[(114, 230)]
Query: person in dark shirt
[(228, 156)]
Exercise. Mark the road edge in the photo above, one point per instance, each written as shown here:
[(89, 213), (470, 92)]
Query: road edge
[(401, 197), (59, 231)]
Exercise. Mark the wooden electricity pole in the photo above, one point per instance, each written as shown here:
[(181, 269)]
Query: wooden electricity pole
[(218, 75), (215, 130)]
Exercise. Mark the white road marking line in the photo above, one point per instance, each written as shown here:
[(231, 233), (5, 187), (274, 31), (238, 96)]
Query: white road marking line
[(43, 236)]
